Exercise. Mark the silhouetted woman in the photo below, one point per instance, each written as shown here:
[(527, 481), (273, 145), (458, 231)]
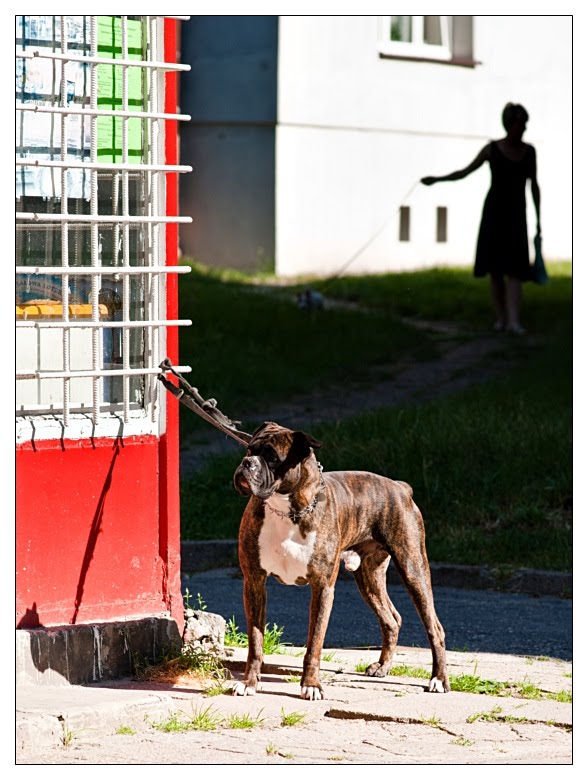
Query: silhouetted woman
[(503, 248)]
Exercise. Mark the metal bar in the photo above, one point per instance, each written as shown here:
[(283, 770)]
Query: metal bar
[(96, 166), (126, 293), (95, 60), (153, 210), (94, 237), (42, 324), (94, 374), (104, 270), (99, 112), (64, 230), (96, 218)]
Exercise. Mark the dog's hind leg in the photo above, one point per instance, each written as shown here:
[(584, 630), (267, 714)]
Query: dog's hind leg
[(413, 566), (371, 581)]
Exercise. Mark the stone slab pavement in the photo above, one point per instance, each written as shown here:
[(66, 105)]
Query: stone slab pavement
[(361, 720)]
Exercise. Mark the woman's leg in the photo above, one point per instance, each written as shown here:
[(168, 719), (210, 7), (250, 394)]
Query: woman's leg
[(513, 305), (498, 291)]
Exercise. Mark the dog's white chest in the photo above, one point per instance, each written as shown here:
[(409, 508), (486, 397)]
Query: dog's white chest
[(283, 550)]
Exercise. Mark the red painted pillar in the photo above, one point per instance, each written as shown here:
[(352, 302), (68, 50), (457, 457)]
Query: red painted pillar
[(169, 455)]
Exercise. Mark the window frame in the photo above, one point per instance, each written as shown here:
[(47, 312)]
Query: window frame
[(417, 48)]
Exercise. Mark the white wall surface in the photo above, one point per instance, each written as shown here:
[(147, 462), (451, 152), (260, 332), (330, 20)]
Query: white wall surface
[(355, 131)]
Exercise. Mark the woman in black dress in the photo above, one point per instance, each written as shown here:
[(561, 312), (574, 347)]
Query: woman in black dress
[(503, 249)]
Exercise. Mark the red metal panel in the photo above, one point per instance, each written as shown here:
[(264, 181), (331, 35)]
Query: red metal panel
[(87, 543)]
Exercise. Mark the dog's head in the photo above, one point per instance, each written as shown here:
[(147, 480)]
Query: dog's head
[(272, 462)]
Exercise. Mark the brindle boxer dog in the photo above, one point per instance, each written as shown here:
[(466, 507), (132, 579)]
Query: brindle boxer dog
[(297, 526)]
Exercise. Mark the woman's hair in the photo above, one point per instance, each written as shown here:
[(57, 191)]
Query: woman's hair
[(512, 112)]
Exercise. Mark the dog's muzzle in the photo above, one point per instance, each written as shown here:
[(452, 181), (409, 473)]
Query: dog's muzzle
[(253, 477)]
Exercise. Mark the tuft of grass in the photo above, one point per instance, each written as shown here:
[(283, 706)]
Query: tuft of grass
[(271, 749), (469, 683), (293, 678), (67, 735), (217, 688), (244, 720), (562, 696), (409, 671), (125, 730), (495, 715), (361, 666), (336, 758), (189, 662), (292, 718), (433, 721), (462, 742), (272, 644), (331, 656), (202, 719)]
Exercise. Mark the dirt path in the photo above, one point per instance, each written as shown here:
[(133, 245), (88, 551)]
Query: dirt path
[(460, 364)]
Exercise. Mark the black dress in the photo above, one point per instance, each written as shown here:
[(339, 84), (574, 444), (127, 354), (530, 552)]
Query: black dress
[(503, 245)]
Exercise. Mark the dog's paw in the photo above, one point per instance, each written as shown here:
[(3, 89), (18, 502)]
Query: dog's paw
[(437, 686), (376, 670), (241, 689), (311, 692)]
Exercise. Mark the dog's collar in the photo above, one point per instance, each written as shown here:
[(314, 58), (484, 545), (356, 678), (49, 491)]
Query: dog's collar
[(295, 517)]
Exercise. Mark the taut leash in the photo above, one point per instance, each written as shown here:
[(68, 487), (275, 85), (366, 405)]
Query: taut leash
[(208, 410)]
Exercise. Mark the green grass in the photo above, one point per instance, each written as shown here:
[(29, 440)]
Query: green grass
[(490, 466), (291, 718), (272, 644), (126, 730), (201, 719), (239, 345), (179, 662), (244, 720)]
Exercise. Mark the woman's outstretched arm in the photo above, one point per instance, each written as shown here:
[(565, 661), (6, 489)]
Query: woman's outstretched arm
[(479, 160)]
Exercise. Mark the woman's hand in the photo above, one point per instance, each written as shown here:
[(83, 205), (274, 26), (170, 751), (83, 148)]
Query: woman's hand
[(428, 180)]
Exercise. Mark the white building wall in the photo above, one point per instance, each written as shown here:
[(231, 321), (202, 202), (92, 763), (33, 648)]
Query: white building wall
[(356, 131)]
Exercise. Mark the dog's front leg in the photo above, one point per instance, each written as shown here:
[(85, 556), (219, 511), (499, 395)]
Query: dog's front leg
[(321, 602), (254, 601)]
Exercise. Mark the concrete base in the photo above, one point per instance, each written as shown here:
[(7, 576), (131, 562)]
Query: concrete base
[(75, 655)]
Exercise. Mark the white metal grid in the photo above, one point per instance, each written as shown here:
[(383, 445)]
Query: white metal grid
[(152, 169)]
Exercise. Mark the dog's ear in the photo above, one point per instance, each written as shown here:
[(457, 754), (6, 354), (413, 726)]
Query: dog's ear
[(311, 441), (301, 446)]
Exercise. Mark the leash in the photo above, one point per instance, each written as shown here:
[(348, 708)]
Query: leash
[(372, 238), (208, 410)]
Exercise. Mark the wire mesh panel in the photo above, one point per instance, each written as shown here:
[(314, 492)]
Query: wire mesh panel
[(90, 211)]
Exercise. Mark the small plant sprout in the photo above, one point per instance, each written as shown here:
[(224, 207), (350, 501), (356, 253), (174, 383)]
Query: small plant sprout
[(292, 718), (462, 742), (272, 643), (125, 730), (271, 749), (244, 721), (433, 721), (68, 735)]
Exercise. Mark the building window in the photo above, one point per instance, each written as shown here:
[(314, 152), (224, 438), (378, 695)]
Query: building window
[(441, 224), (416, 36), (404, 227), (448, 39), (91, 214)]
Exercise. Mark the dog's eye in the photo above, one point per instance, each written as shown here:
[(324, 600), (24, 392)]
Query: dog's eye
[(269, 455)]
